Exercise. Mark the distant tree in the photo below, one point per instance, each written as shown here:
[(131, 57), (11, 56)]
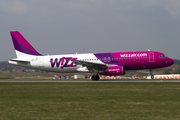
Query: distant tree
[(177, 71)]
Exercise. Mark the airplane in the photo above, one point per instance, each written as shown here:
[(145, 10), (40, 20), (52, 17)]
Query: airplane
[(112, 64)]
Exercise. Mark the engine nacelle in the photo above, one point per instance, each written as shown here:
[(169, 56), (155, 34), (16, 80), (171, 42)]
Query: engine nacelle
[(114, 70)]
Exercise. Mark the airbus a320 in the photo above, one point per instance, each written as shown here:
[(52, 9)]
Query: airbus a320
[(111, 64)]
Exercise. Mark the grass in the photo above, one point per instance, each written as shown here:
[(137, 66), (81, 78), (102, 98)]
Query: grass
[(5, 77), (89, 101)]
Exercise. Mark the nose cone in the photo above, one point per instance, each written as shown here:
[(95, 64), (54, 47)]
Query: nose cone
[(169, 61)]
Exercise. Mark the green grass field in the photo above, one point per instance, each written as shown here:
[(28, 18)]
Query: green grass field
[(89, 101)]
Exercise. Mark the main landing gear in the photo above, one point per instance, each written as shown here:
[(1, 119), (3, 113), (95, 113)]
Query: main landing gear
[(95, 77)]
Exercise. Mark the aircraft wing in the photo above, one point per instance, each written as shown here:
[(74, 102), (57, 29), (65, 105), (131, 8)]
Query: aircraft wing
[(90, 65)]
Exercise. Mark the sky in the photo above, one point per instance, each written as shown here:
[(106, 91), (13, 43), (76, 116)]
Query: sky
[(91, 26)]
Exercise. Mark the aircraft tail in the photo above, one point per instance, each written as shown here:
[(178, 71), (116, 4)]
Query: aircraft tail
[(22, 47)]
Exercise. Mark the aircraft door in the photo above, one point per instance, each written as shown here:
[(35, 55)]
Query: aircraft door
[(41, 62), (151, 57)]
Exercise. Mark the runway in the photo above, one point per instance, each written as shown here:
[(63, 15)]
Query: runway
[(88, 80)]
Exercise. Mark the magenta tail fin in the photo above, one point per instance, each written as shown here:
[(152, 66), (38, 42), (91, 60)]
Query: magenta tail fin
[(22, 46)]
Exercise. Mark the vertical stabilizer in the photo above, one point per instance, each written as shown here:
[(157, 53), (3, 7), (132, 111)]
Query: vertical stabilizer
[(22, 47)]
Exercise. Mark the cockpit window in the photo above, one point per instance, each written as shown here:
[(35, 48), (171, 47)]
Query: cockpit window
[(162, 56)]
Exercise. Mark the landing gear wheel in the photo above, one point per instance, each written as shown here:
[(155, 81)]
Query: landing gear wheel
[(152, 76), (95, 77)]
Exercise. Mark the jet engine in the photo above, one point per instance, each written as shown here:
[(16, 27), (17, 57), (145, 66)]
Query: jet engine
[(114, 70)]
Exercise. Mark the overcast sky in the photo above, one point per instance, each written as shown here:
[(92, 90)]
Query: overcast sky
[(68, 26)]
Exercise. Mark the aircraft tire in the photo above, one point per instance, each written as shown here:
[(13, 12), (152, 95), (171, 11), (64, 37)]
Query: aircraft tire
[(95, 77), (152, 76)]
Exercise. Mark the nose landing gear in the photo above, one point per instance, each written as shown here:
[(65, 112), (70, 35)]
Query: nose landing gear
[(152, 76)]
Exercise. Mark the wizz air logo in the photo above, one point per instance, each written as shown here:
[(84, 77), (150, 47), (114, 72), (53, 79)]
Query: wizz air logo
[(62, 62)]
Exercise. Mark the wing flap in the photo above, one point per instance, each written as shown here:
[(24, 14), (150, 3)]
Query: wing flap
[(90, 65)]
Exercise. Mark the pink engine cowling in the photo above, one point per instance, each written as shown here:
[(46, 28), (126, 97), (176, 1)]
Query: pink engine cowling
[(114, 70)]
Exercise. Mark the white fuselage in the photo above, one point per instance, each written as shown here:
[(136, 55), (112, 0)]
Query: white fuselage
[(58, 63)]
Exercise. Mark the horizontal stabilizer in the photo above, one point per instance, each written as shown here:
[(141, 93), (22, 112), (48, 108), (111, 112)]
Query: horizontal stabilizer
[(19, 60)]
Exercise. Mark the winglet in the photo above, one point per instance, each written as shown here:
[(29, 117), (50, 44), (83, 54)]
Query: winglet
[(22, 46)]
